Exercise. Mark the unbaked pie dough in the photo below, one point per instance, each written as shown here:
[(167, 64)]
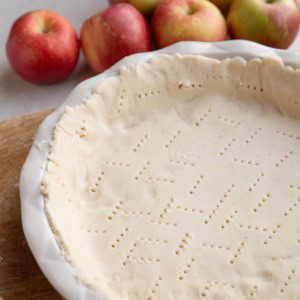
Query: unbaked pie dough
[(180, 179)]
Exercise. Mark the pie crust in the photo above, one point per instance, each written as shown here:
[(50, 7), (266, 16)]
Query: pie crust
[(179, 179)]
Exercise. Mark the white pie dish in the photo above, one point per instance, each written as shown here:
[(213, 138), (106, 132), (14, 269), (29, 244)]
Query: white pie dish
[(42, 241)]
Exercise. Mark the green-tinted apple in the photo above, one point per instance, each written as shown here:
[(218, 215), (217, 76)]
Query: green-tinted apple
[(274, 23), (146, 7)]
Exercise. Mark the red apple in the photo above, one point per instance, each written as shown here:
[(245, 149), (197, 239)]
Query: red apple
[(146, 7), (42, 47), (274, 23), (112, 34), (187, 20)]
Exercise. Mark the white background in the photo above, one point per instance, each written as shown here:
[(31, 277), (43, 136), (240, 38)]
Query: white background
[(17, 96)]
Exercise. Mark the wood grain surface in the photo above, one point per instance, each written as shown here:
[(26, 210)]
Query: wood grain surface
[(20, 277)]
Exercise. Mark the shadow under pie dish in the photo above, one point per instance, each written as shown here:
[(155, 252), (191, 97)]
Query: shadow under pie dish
[(179, 179)]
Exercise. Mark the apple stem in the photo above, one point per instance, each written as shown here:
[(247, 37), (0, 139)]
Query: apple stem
[(190, 11), (47, 28), (44, 26)]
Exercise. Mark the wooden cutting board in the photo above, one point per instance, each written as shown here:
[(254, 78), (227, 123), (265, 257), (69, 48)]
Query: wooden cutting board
[(20, 277)]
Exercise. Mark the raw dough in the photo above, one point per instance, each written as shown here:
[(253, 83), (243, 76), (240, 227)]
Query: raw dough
[(180, 179)]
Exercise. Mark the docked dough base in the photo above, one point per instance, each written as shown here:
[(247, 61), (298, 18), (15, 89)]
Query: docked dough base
[(179, 179)]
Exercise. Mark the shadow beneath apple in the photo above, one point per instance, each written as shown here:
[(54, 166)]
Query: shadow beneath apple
[(82, 72), (18, 96), (12, 84)]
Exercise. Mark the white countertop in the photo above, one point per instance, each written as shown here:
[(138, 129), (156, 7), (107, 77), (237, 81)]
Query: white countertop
[(19, 97)]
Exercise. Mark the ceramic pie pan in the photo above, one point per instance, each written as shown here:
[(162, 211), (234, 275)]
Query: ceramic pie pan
[(35, 224)]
